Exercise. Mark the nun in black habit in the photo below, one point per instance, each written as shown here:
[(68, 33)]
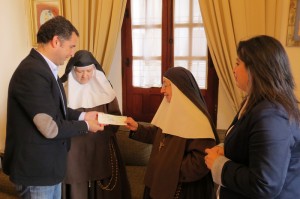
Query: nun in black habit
[(180, 132), (94, 166)]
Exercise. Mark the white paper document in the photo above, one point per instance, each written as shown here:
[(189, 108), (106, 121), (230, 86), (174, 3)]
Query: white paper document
[(104, 118)]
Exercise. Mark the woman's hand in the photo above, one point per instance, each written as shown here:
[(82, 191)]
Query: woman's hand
[(131, 124), (218, 149), (212, 155)]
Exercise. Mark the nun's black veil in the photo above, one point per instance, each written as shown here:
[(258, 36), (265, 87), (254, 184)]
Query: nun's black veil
[(81, 58)]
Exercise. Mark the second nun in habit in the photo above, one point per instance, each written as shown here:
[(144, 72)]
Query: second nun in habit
[(181, 130), (94, 166)]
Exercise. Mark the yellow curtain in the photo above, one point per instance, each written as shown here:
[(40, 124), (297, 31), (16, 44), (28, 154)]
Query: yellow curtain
[(226, 22), (99, 23)]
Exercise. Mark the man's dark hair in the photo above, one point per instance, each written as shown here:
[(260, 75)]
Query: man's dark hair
[(59, 26)]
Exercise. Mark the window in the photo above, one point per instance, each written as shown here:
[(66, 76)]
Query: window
[(157, 35), (190, 46), (146, 23)]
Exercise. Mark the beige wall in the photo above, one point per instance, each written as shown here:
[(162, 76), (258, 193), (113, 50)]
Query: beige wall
[(15, 42), (14, 45), (225, 113)]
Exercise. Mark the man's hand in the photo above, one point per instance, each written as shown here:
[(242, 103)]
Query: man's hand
[(92, 115), (94, 126)]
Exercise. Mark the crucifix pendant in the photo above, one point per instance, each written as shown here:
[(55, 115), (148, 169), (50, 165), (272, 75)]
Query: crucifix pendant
[(161, 145)]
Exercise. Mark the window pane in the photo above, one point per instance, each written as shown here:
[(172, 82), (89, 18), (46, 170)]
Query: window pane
[(146, 12), (182, 11), (181, 42), (197, 68), (182, 63), (153, 12), (152, 42), (137, 42), (190, 44), (138, 12), (199, 44), (197, 17), (146, 42), (146, 73)]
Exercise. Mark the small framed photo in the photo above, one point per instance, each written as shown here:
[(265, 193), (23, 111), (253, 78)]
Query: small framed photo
[(41, 11), (293, 31)]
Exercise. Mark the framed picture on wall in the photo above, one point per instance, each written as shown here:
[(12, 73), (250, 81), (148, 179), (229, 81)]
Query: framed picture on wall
[(41, 11), (293, 32)]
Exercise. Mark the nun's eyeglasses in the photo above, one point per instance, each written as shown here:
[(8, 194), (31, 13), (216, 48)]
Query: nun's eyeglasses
[(165, 85)]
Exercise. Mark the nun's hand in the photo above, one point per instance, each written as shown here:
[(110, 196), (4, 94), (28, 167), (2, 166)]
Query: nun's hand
[(131, 124)]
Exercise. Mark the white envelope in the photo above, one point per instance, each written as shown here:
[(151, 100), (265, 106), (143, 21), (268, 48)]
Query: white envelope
[(104, 118)]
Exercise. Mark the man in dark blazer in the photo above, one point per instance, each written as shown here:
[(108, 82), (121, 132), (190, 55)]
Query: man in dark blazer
[(39, 124)]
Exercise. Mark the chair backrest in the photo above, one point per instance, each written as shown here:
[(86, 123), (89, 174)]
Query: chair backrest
[(134, 153)]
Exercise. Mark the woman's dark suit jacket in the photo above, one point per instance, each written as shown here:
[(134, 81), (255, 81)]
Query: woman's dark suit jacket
[(30, 158), (265, 151)]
